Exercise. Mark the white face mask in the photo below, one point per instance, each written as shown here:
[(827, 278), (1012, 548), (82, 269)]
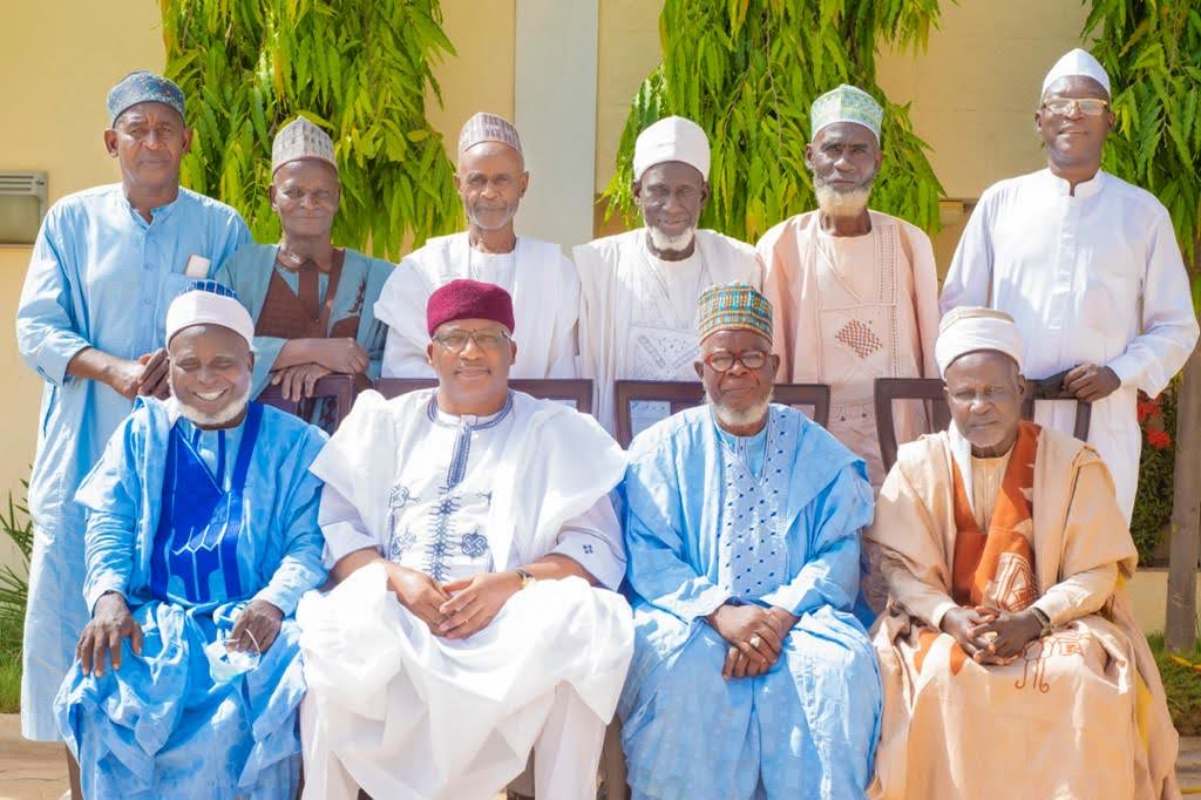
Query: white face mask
[(226, 665)]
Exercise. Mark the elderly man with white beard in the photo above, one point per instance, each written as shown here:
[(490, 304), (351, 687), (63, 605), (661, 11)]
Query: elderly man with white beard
[(201, 536), (855, 290), (638, 290), (750, 678)]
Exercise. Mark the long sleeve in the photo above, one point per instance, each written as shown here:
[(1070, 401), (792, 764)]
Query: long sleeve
[(911, 562), (593, 540), (1169, 324), (925, 301), (658, 570), (969, 279), (830, 575), (1079, 595), (343, 527), (112, 494), (300, 568), (48, 335)]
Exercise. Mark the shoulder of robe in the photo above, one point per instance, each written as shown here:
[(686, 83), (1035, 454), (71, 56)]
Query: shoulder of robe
[(372, 265), (675, 432), (817, 446), (209, 204), (776, 232), (433, 246), (70, 208), (285, 427), (907, 228), (729, 242), (605, 249), (1137, 196), (1067, 448), (248, 257), (548, 257), (921, 454)]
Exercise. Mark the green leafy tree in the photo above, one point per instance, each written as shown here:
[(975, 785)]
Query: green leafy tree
[(358, 68), (1152, 51), (747, 72)]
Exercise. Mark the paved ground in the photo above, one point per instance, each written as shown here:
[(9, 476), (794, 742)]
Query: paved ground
[(30, 771)]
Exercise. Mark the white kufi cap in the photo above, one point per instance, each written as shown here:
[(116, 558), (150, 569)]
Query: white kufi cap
[(672, 139), (969, 329), (209, 303), (1077, 62)]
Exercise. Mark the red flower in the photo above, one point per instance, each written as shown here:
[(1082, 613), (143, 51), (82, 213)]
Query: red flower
[(1146, 409), (1160, 440)]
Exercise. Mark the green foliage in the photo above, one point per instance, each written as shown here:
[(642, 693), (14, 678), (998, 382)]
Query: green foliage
[(1156, 472), (358, 68), (1181, 673), (747, 72), (1152, 51), (16, 526)]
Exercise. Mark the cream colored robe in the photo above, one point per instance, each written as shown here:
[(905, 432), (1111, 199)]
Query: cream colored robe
[(849, 310), (1081, 714)]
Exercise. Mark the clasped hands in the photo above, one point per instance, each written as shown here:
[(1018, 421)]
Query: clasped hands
[(756, 636), (991, 636), (457, 609), (342, 355)]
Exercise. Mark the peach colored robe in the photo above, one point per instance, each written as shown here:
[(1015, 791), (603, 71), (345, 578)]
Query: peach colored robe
[(1081, 713), (849, 310)]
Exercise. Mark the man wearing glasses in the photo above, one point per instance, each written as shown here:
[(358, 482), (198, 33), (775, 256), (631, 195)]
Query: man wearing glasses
[(475, 550), (750, 678), (1089, 268)]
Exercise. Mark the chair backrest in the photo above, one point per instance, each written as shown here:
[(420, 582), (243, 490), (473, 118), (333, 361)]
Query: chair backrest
[(679, 395), (341, 388), (931, 391), (576, 392)]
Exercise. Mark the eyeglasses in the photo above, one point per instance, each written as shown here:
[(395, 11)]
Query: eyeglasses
[(456, 341), (1089, 106), (724, 360)]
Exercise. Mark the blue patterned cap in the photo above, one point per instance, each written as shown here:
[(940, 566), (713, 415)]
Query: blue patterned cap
[(734, 306), (142, 86)]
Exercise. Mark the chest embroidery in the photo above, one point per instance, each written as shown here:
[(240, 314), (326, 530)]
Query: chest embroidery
[(860, 338)]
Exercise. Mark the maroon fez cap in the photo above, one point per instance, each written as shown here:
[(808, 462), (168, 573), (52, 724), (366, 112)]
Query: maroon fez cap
[(468, 299)]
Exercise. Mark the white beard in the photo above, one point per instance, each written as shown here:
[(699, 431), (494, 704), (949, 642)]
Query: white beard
[(834, 203), (231, 411), (740, 419), (671, 244)]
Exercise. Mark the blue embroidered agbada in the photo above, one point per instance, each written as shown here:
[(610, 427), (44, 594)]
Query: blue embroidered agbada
[(190, 525), (100, 276), (772, 519)]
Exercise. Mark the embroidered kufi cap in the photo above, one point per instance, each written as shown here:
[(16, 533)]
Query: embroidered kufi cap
[(845, 104), (142, 86), (734, 306), (485, 127), (301, 139)]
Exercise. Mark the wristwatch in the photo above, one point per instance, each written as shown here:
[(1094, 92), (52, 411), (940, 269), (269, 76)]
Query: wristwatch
[(526, 578), (1042, 617)]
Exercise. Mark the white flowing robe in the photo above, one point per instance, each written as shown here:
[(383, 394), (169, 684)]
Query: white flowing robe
[(405, 714), (631, 327), (1092, 277), (541, 280)]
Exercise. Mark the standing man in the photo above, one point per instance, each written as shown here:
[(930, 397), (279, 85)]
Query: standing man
[(855, 291), (491, 179), (106, 265), (312, 302), (638, 290), (1088, 267)]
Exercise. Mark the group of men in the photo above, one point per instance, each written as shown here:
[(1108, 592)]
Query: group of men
[(465, 578)]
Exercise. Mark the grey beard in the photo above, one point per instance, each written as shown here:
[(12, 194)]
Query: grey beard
[(740, 419), (231, 411), (835, 203), (671, 244)]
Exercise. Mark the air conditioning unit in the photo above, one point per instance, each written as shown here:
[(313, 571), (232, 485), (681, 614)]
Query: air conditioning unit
[(22, 206)]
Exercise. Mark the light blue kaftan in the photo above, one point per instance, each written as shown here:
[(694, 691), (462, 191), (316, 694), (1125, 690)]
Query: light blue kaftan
[(775, 520), (249, 274), (190, 526), (100, 276)]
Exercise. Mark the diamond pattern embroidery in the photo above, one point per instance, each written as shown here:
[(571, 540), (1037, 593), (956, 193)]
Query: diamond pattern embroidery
[(860, 338)]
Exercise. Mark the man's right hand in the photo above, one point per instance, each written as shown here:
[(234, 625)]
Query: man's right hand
[(341, 355), (958, 624), (419, 593), (125, 377), (111, 622), (754, 641)]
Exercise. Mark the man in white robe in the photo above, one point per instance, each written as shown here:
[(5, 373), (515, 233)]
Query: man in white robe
[(1089, 268), (475, 552), (491, 179), (639, 289), (855, 290)]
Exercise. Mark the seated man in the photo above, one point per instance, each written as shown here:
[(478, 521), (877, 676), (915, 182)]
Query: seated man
[(312, 302), (201, 536), (1012, 666), (750, 678), (467, 527)]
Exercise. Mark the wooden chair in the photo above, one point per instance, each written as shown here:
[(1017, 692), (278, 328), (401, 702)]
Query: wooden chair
[(341, 388), (680, 395), (576, 392), (931, 390)]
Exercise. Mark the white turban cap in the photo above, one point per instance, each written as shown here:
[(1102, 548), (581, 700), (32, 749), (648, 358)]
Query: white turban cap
[(209, 303), (1077, 62), (672, 139), (969, 329)]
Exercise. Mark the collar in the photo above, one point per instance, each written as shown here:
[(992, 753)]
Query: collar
[(1063, 188), (468, 421), (158, 214)]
